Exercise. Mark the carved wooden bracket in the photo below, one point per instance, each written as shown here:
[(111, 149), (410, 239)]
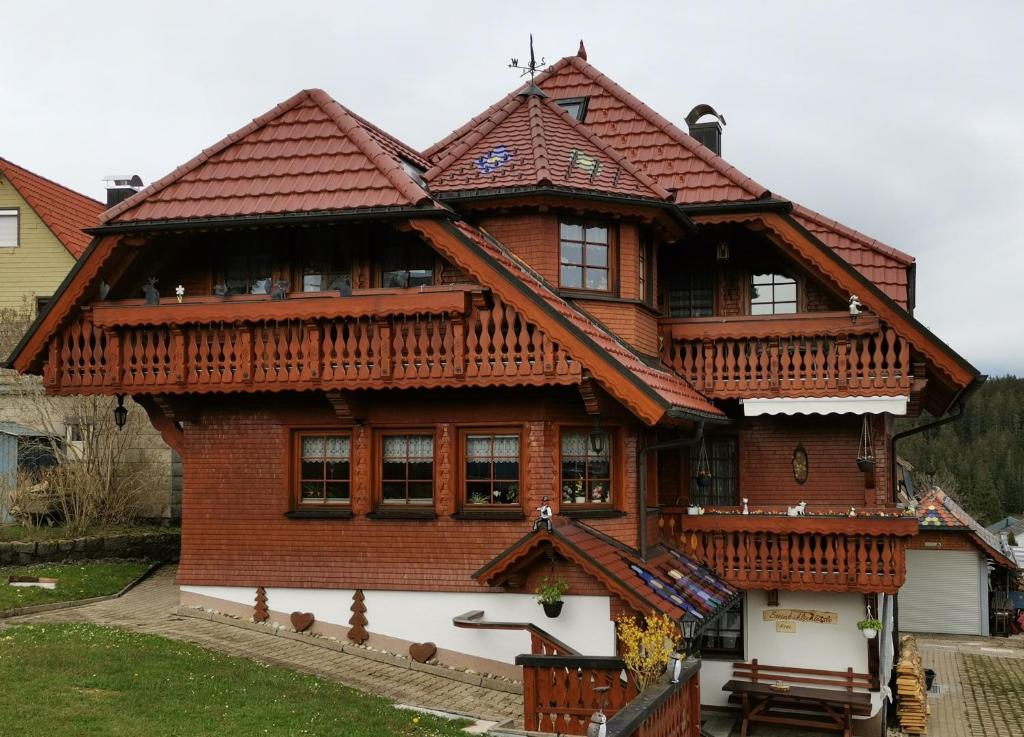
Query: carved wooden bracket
[(347, 406)]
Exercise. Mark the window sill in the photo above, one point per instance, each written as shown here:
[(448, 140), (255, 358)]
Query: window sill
[(591, 513), (495, 514), (604, 295), (319, 514), (403, 513)]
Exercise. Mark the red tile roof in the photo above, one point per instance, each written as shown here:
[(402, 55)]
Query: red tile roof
[(531, 141), (670, 582), (64, 211), (672, 388), (308, 154), (937, 511), (657, 147), (883, 265)]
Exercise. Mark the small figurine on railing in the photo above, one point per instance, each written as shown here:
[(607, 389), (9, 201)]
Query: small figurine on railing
[(852, 512), (855, 307), (797, 511), (746, 509), (280, 290), (544, 520), (179, 293), (220, 290), (151, 292)]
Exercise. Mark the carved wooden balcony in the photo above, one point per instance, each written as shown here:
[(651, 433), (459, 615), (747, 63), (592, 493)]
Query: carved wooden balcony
[(373, 339), (806, 355), (808, 553)]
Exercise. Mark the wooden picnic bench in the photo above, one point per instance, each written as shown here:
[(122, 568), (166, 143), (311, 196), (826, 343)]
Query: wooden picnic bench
[(830, 708)]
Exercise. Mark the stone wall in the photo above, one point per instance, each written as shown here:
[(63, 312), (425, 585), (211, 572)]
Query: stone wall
[(156, 546)]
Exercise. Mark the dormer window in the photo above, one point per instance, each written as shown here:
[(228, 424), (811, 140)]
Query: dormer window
[(575, 106), (772, 294), (585, 258)]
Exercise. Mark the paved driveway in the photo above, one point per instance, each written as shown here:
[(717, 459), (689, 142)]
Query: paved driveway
[(980, 685), (149, 608)]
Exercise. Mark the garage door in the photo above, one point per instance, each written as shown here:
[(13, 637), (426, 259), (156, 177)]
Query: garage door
[(942, 592)]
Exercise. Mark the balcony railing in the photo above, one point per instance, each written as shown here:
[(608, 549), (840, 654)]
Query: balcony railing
[(442, 337), (807, 355), (811, 553)]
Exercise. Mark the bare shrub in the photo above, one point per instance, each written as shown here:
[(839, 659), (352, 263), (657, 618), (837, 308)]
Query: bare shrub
[(14, 322), (103, 478)]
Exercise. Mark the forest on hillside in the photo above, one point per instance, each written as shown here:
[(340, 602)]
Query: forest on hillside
[(979, 458)]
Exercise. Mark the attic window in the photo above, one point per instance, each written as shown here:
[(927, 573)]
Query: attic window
[(8, 228), (575, 106)]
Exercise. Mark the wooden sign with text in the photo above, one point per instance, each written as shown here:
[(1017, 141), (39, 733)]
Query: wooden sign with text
[(800, 615)]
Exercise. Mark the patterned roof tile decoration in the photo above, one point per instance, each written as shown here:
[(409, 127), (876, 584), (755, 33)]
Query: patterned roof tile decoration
[(532, 142), (670, 582), (308, 154), (64, 211), (671, 387), (936, 510), (677, 162)]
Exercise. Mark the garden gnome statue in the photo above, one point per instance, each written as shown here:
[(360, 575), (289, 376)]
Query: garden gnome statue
[(545, 516)]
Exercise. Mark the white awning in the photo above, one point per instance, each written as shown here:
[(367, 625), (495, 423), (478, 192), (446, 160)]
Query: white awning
[(824, 405)]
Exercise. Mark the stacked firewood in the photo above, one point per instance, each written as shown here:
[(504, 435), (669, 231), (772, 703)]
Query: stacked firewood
[(911, 693)]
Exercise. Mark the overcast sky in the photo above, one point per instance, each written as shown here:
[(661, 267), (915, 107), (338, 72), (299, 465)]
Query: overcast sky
[(902, 120)]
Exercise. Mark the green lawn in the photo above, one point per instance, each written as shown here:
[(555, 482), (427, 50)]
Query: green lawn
[(17, 533), (75, 581), (83, 680)]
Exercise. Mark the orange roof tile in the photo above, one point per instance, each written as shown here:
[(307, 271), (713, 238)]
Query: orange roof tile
[(668, 385), (881, 264), (308, 154), (64, 211), (531, 141), (657, 147)]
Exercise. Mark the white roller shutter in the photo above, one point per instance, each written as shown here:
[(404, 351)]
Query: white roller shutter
[(942, 593)]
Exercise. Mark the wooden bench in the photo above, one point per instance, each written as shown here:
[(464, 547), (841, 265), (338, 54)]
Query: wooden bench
[(821, 699)]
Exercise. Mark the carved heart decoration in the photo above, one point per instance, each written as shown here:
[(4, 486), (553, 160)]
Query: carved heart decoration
[(421, 652), (302, 621)]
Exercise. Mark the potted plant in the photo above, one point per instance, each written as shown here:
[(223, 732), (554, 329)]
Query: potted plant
[(869, 628), (703, 466), (703, 478), (549, 593)]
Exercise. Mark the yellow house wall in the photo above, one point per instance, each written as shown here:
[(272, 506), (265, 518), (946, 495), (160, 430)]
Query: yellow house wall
[(38, 265)]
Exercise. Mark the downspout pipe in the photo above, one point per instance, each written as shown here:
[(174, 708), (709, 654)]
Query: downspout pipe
[(641, 461), (958, 412)]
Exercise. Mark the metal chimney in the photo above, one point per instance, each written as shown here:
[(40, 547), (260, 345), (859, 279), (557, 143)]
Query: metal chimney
[(121, 186), (708, 133)]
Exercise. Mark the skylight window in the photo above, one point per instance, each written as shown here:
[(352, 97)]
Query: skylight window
[(575, 106)]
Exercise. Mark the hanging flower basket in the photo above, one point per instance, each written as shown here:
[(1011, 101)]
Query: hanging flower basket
[(553, 610), (866, 464), (866, 458), (549, 594), (703, 466), (869, 628)]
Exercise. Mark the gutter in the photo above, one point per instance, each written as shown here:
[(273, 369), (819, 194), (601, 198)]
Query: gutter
[(744, 206), (641, 460)]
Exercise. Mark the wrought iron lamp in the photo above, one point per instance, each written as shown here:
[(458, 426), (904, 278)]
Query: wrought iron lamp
[(689, 626), (120, 413), (597, 436)]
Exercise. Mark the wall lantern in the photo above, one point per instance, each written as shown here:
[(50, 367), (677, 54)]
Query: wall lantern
[(120, 413), (597, 436), (689, 625)]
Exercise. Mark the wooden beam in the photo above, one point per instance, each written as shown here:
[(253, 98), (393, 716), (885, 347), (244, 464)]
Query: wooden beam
[(168, 428), (348, 407)]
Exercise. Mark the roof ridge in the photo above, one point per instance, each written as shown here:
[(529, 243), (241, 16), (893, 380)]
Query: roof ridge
[(668, 127), (865, 240), (539, 140), (360, 136), (476, 120), (399, 143), (610, 150), (488, 124), (203, 156), (92, 200)]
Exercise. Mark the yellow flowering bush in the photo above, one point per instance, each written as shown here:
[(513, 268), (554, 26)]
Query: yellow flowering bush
[(647, 645)]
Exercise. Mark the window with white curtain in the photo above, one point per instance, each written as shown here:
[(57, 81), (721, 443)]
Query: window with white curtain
[(492, 468), (324, 468), (407, 469), (9, 228)]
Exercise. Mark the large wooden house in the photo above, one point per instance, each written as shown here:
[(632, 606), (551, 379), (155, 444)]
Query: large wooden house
[(383, 361)]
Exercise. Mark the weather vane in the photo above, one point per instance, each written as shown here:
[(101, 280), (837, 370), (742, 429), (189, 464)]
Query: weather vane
[(530, 68)]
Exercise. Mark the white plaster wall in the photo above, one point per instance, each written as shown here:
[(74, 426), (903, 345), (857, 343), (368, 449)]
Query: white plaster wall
[(826, 646), (422, 616)]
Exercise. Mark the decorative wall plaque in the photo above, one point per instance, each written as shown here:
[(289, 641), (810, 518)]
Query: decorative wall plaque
[(785, 626), (800, 615), (800, 464)]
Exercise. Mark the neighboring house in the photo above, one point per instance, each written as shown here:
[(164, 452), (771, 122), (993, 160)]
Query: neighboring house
[(1007, 527), (42, 234), (385, 361), (950, 567)]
